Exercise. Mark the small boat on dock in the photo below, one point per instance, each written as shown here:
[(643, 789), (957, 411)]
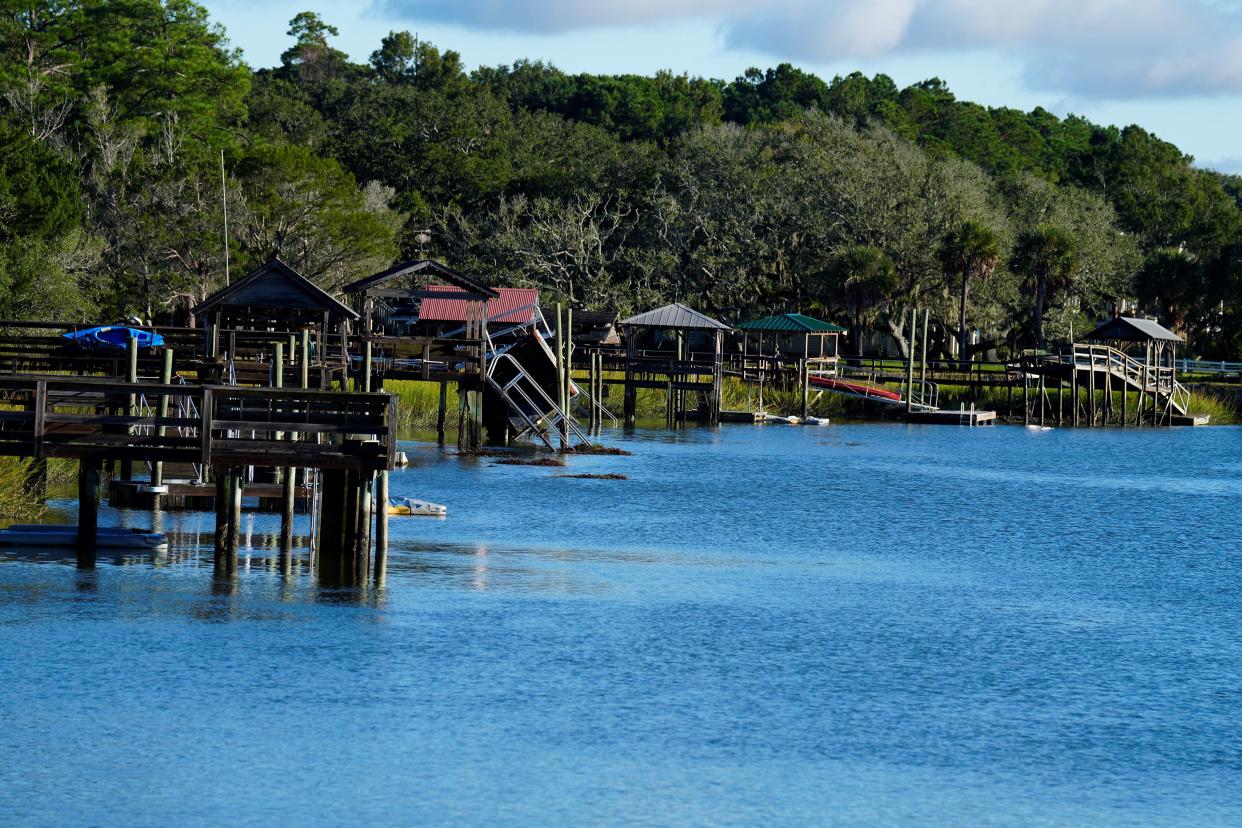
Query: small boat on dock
[(52, 535), (410, 506), (113, 337)]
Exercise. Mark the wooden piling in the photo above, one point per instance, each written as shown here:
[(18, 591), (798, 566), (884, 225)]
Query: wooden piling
[(332, 557), (157, 471), (236, 492), (362, 544), (381, 528), (288, 500), (89, 476), (1074, 393), (304, 358), (131, 376), (1091, 386), (560, 376), (914, 328), (443, 410)]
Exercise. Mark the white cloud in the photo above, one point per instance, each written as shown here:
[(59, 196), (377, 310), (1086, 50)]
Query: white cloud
[(1088, 48)]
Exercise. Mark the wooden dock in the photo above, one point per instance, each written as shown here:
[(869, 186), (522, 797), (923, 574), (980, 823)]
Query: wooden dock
[(959, 417), (350, 438)]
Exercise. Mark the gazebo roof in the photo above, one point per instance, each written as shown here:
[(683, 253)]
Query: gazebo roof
[(426, 267), (275, 285), (1130, 329), (674, 317), (790, 323)]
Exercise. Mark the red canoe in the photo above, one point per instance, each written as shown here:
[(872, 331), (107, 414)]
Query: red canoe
[(857, 388)]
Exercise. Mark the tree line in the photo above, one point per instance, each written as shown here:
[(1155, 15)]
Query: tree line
[(126, 125)]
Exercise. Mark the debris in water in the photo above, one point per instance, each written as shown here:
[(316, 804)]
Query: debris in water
[(610, 476)]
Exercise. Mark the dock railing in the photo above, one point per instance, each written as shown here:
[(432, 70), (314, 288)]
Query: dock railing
[(80, 418)]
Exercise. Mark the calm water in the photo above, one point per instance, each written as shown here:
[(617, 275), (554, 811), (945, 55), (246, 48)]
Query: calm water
[(763, 625)]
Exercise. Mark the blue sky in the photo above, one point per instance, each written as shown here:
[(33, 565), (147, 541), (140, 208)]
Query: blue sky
[(1171, 66)]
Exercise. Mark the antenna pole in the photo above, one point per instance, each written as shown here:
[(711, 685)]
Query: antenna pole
[(224, 196)]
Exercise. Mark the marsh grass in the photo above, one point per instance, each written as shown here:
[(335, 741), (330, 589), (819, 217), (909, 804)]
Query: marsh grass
[(15, 500), (1220, 409), (419, 402)]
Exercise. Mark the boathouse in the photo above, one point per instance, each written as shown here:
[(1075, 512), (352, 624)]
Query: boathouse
[(243, 321), (679, 350), (391, 301)]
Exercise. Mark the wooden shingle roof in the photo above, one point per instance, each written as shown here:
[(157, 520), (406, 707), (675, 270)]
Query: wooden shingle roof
[(275, 284), (426, 267)]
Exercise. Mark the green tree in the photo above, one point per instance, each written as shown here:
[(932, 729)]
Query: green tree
[(312, 58), (866, 279), (1171, 282), (971, 251), (309, 211), (1046, 257)]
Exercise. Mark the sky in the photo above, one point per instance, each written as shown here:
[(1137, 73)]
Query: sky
[(1172, 66)]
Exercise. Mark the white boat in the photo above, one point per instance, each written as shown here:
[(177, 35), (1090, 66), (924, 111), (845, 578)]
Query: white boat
[(816, 421), (106, 537), (410, 506)]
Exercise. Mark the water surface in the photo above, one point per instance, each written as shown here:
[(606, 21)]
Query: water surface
[(763, 625)]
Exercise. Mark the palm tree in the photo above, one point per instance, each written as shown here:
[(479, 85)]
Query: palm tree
[(972, 251), (1047, 259), (866, 278), (1171, 281)]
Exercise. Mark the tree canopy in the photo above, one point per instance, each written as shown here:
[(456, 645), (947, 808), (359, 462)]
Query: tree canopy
[(126, 124)]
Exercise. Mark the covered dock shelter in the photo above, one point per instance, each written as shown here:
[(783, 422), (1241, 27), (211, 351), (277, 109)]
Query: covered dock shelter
[(245, 320), (1127, 354), (424, 321), (787, 349), (680, 350), (390, 302)]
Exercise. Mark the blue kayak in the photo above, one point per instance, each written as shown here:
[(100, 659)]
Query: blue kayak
[(114, 336)]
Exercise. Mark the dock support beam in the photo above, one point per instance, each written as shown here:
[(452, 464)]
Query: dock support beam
[(341, 563), (381, 528), (441, 412), (228, 520), (157, 470), (89, 475)]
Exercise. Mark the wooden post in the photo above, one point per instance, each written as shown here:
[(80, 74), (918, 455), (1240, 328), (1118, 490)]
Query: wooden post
[(804, 371), (1026, 395), (157, 471), (1125, 402), (221, 535), (1091, 386), (560, 374), (914, 332), (362, 543), (442, 411), (131, 376), (235, 510), (304, 358), (36, 473), (332, 554), (569, 369), (381, 528), (349, 544), (366, 367), (923, 359), (288, 500), (1043, 395), (89, 475), (1074, 386)]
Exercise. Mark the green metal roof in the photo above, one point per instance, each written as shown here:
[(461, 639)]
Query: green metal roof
[(791, 323)]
